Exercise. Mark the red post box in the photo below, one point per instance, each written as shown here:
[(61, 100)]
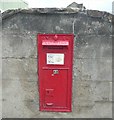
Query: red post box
[(55, 60)]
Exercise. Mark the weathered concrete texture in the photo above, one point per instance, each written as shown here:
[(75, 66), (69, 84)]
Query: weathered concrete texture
[(93, 69), (84, 26), (93, 46), (20, 69), (17, 96), (92, 64), (17, 46), (0, 65)]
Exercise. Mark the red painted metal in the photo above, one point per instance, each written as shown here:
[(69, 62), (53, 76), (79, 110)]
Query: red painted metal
[(52, 42), (55, 60)]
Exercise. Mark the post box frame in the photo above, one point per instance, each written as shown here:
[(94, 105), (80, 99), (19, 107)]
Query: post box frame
[(68, 44)]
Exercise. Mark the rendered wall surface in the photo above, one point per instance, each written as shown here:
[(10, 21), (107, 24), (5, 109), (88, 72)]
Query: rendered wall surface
[(0, 65), (92, 64)]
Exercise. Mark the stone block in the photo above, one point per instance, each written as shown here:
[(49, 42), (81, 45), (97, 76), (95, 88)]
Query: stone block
[(89, 96), (85, 25), (97, 69), (16, 99), (102, 110), (19, 69), (93, 47), (86, 93), (41, 23), (19, 45), (95, 13), (82, 94), (93, 69), (80, 25), (102, 91)]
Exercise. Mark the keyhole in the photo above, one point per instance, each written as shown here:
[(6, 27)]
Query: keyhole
[(55, 72), (48, 92)]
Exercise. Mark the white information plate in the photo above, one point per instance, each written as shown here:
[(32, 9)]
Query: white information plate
[(55, 58)]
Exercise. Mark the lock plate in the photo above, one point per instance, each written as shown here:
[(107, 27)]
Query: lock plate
[(55, 72)]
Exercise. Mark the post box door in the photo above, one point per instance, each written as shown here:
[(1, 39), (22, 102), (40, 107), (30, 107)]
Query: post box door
[(55, 84)]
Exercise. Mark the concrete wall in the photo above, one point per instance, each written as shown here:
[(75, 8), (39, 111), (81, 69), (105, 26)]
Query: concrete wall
[(0, 65), (92, 65)]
